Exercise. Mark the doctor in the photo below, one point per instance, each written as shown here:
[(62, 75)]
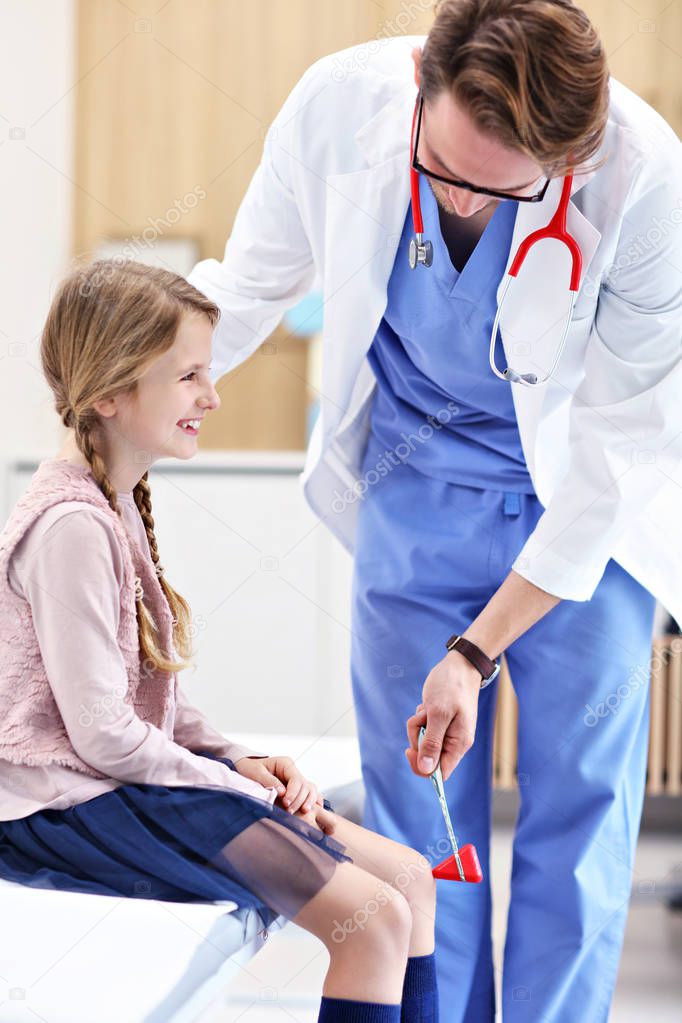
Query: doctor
[(539, 520)]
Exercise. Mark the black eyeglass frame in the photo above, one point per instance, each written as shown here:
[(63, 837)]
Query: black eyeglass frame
[(415, 163)]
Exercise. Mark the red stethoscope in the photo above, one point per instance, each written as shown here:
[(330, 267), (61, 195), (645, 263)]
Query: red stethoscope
[(421, 251)]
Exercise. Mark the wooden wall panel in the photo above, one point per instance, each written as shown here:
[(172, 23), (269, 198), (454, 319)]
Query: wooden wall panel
[(176, 97), (173, 97)]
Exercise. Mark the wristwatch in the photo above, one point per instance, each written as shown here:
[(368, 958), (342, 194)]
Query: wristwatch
[(489, 669)]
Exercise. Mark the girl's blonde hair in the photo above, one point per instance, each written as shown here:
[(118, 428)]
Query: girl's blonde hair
[(533, 73), (107, 323)]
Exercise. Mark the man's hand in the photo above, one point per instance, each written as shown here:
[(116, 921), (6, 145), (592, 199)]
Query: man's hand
[(450, 694), (449, 711), (293, 790)]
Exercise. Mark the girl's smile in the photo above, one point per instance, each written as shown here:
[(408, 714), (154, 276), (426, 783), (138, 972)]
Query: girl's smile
[(190, 426)]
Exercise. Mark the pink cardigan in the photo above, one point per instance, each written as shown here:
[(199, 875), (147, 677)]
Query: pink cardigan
[(68, 566)]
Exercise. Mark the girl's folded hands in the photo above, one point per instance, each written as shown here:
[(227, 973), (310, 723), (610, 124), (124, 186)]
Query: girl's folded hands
[(294, 792)]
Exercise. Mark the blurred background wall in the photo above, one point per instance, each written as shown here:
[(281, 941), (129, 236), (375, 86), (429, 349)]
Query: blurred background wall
[(136, 126)]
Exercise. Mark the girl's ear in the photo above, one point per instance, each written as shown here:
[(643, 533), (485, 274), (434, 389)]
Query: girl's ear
[(107, 407), (417, 58)]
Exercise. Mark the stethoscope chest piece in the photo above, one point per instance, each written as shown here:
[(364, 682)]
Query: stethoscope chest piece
[(419, 252)]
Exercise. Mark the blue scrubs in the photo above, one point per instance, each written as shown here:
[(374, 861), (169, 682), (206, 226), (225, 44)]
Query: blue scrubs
[(430, 358), (441, 522)]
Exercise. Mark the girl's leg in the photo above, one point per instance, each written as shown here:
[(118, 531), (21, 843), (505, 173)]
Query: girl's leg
[(365, 926), (410, 873), (364, 923), (402, 868)]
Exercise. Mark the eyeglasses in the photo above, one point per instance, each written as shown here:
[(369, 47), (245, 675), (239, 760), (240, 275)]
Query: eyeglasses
[(537, 197)]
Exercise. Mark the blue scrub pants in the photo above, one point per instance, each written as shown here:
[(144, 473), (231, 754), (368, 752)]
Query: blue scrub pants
[(429, 555)]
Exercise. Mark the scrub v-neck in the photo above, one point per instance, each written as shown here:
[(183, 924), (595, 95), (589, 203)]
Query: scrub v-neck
[(430, 358), (472, 280)]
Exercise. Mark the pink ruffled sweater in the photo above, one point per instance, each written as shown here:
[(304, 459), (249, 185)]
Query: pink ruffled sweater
[(80, 710)]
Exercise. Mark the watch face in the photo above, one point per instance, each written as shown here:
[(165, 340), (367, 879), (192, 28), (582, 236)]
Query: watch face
[(494, 675)]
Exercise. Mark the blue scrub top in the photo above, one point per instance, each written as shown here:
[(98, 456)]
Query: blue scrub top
[(430, 358)]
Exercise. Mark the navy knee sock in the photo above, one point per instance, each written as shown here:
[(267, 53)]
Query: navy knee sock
[(420, 990), (344, 1010)]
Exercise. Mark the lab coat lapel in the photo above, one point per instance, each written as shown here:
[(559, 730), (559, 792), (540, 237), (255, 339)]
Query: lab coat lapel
[(365, 212)]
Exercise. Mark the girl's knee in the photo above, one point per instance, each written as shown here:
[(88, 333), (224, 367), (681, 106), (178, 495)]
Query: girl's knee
[(357, 907), (398, 919), (376, 916), (382, 922), (416, 881)]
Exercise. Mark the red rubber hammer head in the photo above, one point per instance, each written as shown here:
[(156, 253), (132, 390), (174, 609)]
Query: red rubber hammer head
[(448, 870)]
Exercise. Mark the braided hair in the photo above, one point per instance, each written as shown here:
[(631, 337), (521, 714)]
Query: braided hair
[(108, 321)]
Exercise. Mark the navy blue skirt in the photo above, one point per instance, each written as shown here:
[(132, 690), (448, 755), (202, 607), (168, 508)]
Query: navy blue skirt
[(181, 844)]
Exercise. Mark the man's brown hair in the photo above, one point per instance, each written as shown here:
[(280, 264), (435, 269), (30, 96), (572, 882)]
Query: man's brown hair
[(532, 73)]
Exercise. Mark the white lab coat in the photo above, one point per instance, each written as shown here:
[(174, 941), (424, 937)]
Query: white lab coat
[(602, 439)]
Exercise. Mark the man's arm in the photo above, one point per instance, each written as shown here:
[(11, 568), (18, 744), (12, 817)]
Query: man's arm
[(625, 442), (510, 612), (449, 706), (625, 405), (625, 420)]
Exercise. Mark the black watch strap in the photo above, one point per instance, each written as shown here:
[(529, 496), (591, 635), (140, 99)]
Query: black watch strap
[(488, 668)]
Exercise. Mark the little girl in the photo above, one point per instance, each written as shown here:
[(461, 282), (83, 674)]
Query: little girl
[(110, 780)]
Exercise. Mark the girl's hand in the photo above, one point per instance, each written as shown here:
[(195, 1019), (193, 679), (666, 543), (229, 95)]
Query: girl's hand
[(293, 790), (320, 818)]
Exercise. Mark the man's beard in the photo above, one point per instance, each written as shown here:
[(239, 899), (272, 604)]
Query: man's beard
[(442, 201)]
